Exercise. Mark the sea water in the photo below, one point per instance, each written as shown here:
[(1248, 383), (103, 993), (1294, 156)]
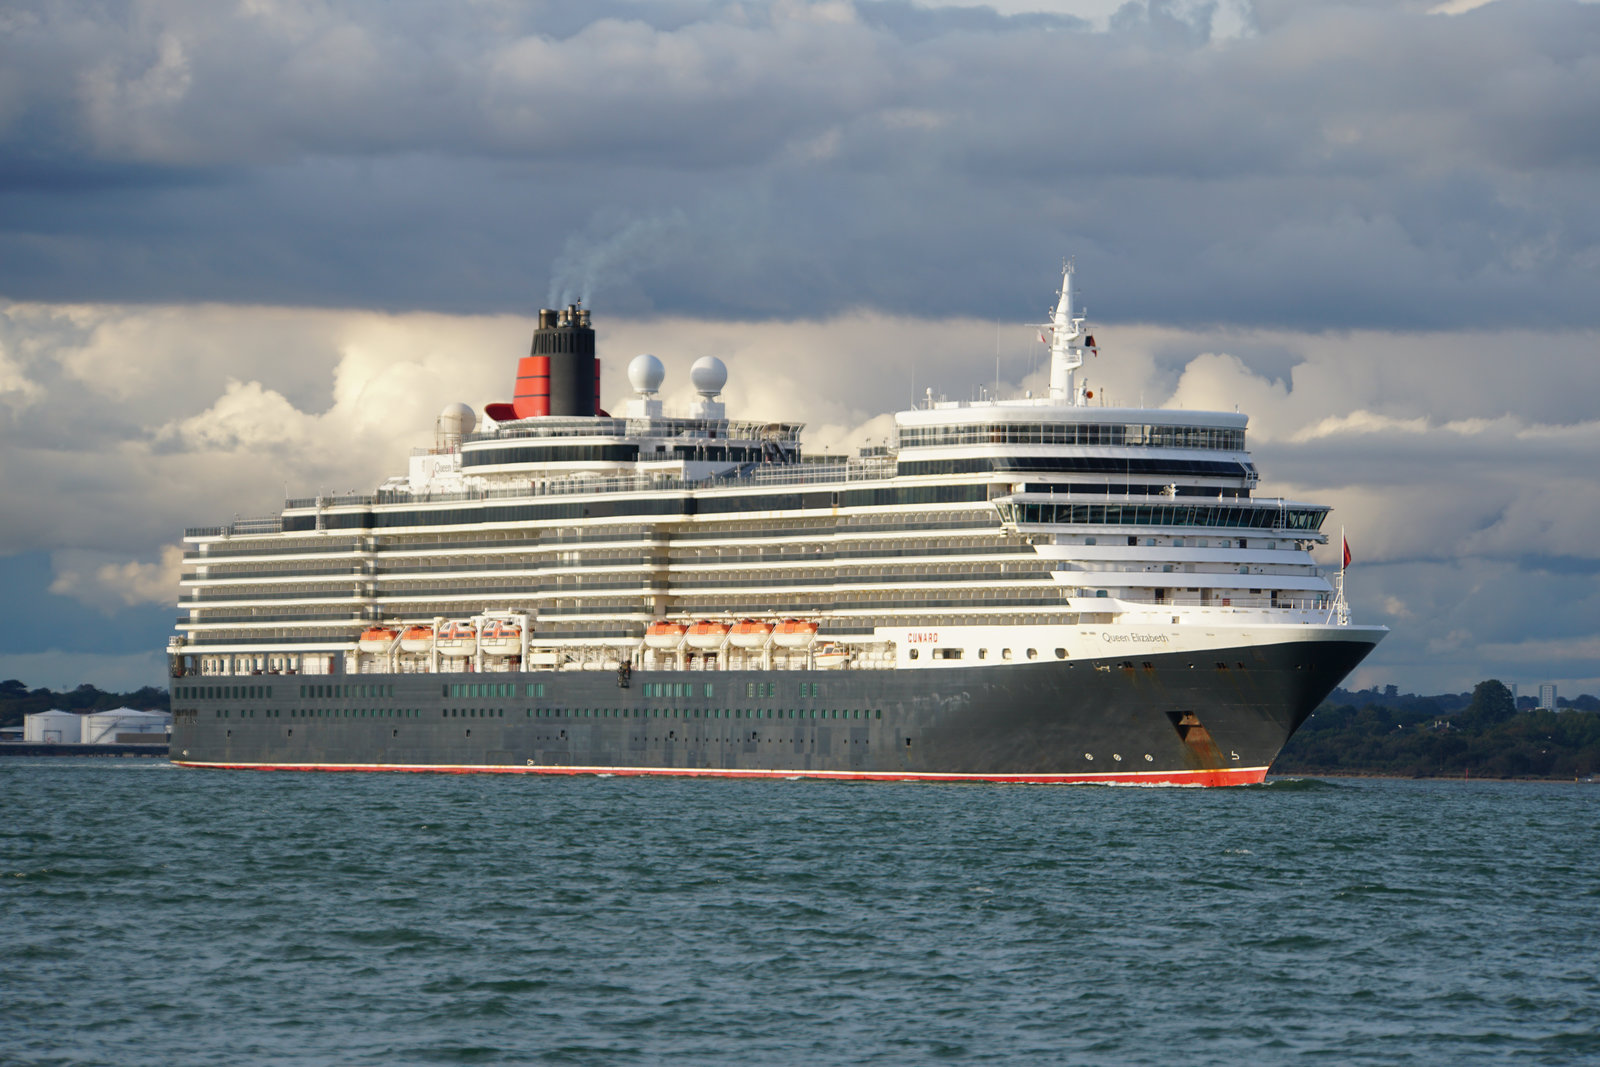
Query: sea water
[(158, 915)]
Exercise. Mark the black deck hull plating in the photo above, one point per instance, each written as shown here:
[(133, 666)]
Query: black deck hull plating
[(1214, 717)]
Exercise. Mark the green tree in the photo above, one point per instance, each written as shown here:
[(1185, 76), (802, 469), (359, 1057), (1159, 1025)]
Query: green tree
[(1492, 703)]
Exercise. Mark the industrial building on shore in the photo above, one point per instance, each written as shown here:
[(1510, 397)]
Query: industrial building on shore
[(119, 726)]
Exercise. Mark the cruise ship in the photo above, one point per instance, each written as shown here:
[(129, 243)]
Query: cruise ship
[(1031, 589)]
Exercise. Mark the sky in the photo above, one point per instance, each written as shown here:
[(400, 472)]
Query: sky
[(249, 249)]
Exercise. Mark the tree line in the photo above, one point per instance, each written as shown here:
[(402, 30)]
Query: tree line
[(1485, 735)]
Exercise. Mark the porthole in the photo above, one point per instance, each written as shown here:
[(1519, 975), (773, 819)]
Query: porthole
[(1033, 653), (1061, 653), (1088, 755), (1149, 758), (1117, 756)]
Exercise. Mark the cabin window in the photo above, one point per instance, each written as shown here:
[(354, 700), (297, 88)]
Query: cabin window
[(912, 654)]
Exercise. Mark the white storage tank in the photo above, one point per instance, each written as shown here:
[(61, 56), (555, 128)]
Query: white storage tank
[(125, 725), (53, 727)]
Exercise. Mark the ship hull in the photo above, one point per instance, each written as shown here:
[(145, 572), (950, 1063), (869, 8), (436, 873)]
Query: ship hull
[(1217, 717)]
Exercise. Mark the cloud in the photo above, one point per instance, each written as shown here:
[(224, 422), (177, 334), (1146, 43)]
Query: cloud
[(84, 577), (16, 390), (1332, 165)]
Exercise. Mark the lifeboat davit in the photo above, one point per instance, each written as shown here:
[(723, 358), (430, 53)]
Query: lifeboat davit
[(377, 639), (750, 634), (417, 639), (501, 637), (707, 634), (457, 638), (794, 633), (664, 634), (831, 655)]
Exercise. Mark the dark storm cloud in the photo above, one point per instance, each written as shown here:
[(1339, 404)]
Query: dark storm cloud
[(1339, 164)]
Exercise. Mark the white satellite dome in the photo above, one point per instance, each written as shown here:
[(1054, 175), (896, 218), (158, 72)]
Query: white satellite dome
[(457, 419), (645, 374), (709, 374)]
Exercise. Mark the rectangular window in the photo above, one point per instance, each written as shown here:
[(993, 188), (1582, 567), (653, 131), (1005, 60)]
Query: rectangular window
[(708, 689)]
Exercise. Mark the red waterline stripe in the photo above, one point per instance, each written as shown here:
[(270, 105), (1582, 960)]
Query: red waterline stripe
[(1220, 776)]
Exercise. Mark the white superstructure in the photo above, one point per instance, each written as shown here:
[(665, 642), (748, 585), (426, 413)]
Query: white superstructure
[(993, 531)]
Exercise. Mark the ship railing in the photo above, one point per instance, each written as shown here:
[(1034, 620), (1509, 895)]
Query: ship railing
[(345, 501), (806, 474), (266, 525), (871, 469), (784, 474), (662, 427)]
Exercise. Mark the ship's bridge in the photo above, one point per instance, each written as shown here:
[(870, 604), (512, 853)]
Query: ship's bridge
[(1145, 451)]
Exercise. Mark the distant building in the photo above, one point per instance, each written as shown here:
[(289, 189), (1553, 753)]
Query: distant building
[(1547, 697), (124, 726), (53, 727)]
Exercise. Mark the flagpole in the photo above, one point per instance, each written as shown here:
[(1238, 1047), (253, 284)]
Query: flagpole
[(1341, 606)]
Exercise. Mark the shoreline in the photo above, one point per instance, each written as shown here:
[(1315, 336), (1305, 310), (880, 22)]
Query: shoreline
[(1271, 774)]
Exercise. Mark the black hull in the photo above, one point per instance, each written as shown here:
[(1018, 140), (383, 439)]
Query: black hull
[(1213, 717)]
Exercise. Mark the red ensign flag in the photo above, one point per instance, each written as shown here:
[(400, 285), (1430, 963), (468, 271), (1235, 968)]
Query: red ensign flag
[(1346, 551)]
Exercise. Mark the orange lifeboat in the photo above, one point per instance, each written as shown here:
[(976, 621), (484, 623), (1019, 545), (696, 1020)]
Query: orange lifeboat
[(377, 639), (457, 637), (416, 639), (501, 637), (664, 634), (750, 634), (707, 633), (794, 633)]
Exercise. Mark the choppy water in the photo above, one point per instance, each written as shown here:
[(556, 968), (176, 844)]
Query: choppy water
[(158, 915)]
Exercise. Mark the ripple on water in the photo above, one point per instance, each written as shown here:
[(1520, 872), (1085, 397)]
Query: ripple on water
[(380, 919)]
